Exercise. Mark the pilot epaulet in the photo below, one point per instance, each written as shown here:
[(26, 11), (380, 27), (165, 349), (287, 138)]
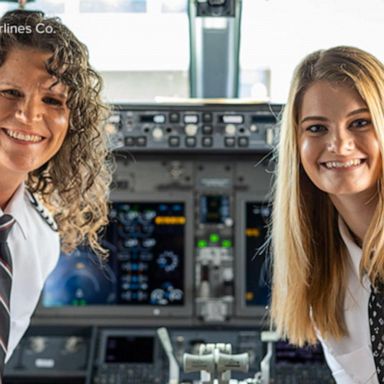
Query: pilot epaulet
[(43, 212)]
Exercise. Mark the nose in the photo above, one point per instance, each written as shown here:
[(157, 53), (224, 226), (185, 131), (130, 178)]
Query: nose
[(341, 142), (29, 110)]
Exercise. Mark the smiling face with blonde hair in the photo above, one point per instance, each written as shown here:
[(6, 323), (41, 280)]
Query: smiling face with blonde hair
[(338, 145), (329, 164)]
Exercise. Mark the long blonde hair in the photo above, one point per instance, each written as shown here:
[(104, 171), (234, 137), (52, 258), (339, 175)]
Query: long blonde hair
[(309, 256)]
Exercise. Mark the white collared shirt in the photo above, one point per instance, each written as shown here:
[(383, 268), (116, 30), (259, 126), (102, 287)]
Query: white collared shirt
[(35, 249), (350, 359)]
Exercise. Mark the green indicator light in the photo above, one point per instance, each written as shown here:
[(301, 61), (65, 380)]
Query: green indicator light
[(201, 244), (226, 243), (214, 238), (79, 302)]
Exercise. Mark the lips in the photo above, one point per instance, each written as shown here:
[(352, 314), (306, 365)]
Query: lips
[(23, 136), (353, 163)]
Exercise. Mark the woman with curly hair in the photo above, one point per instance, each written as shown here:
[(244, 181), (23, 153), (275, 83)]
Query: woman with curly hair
[(328, 219), (54, 171)]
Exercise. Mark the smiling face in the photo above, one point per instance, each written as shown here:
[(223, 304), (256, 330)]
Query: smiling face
[(338, 146), (34, 117)]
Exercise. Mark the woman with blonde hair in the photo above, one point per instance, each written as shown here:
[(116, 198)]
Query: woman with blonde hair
[(54, 168), (328, 216)]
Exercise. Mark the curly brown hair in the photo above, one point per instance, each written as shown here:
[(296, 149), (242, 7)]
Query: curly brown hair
[(74, 184)]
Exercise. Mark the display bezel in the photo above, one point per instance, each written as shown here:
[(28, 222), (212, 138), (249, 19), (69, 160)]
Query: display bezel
[(242, 310), (106, 333), (137, 311)]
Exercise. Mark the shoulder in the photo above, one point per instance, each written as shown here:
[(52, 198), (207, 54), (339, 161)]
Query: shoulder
[(42, 211)]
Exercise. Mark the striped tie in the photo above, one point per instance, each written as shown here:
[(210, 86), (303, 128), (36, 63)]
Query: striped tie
[(6, 223)]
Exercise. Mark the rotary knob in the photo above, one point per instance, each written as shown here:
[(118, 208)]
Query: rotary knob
[(157, 133), (37, 344), (254, 128), (230, 129), (191, 129)]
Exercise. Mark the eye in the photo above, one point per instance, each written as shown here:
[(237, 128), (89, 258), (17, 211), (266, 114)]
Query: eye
[(316, 128), (10, 93), (360, 123), (52, 101)]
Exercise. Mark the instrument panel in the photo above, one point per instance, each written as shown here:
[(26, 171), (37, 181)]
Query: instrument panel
[(188, 250)]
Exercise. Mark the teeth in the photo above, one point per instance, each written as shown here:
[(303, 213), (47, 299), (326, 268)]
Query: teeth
[(338, 164), (21, 136)]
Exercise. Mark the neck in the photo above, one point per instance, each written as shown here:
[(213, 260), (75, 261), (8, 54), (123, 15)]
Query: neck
[(10, 180), (357, 211), (7, 190)]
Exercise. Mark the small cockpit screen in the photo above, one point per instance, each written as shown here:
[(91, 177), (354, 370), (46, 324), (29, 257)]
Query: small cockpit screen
[(145, 266), (129, 350), (214, 209), (257, 268), (264, 119), (288, 353)]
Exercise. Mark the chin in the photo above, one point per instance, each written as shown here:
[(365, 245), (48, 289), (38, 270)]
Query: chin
[(346, 190), (23, 168)]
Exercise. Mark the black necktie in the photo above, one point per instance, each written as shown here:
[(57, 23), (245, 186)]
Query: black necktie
[(376, 326), (6, 222)]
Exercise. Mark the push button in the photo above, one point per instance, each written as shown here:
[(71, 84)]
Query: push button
[(129, 141), (190, 141), (174, 141), (243, 141), (207, 129), (174, 117), (229, 141), (141, 141), (207, 117), (207, 142)]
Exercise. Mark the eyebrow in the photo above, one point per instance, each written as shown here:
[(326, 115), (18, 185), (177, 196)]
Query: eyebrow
[(49, 89), (9, 84), (322, 118), (59, 94)]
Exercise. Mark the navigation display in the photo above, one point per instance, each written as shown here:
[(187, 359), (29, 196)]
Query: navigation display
[(145, 267)]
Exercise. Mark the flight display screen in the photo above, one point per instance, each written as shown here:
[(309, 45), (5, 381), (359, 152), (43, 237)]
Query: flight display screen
[(145, 265), (129, 349), (257, 289)]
